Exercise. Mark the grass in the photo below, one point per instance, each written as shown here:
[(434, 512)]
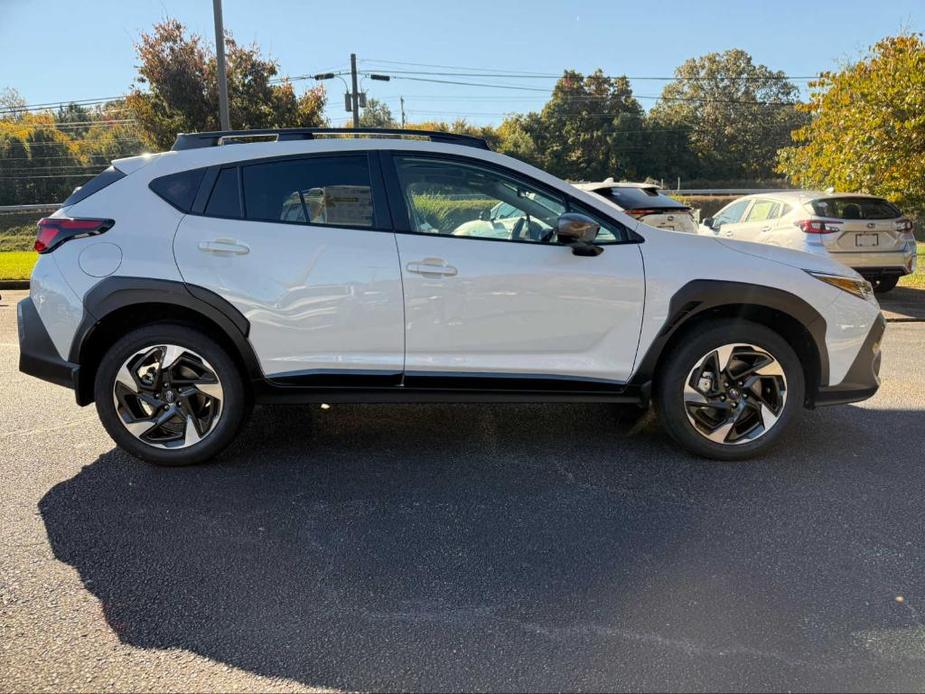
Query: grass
[(917, 279), (17, 265)]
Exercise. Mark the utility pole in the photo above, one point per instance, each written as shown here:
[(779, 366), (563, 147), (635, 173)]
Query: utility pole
[(402, 111), (223, 115), (354, 93)]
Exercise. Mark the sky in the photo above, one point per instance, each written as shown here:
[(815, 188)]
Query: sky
[(83, 49)]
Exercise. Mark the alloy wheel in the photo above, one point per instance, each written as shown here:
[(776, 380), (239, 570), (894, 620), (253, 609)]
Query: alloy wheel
[(168, 396), (735, 394)]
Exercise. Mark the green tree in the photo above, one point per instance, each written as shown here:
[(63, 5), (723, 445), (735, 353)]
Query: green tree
[(737, 114), (591, 128), (377, 114), (867, 131), (177, 91)]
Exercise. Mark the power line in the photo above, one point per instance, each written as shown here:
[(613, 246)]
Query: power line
[(50, 105), (514, 75), (702, 100)]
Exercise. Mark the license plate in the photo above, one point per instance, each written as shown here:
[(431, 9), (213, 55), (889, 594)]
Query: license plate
[(667, 226), (866, 240)]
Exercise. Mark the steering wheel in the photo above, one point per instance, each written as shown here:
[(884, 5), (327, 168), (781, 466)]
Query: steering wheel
[(517, 231)]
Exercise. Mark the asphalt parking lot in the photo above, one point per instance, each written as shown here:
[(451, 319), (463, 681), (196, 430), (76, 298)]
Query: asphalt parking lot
[(465, 547)]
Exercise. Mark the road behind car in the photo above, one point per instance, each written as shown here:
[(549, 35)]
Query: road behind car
[(461, 547)]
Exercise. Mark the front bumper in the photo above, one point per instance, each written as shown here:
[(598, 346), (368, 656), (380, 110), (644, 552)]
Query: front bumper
[(863, 378), (37, 354)]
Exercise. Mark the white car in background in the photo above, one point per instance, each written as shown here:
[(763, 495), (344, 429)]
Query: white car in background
[(644, 202), (864, 232)]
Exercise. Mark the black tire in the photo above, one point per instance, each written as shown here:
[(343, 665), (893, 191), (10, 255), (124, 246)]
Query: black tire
[(885, 283), (677, 366), (234, 403)]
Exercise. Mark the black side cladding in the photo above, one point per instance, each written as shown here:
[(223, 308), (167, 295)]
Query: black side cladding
[(37, 354), (702, 295)]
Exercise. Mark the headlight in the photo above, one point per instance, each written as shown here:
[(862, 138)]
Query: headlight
[(861, 288)]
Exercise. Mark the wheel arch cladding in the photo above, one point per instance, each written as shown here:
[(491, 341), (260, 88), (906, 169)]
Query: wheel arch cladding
[(785, 313), (117, 305)]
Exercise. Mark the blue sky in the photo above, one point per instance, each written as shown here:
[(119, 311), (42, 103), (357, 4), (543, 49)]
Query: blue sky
[(51, 51)]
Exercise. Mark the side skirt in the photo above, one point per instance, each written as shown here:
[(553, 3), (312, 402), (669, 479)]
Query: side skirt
[(442, 389)]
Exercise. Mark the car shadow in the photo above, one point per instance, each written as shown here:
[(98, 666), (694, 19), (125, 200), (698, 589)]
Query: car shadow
[(903, 304), (467, 547)]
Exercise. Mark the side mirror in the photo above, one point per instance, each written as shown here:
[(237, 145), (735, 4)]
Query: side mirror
[(708, 222), (578, 231)]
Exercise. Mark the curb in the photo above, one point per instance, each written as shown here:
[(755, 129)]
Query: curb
[(14, 284)]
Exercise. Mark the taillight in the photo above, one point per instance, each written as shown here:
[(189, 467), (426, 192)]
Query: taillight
[(53, 231), (904, 226), (640, 213), (814, 226)]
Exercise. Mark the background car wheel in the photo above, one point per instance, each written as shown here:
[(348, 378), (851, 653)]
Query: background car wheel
[(885, 284), (170, 395), (729, 391)]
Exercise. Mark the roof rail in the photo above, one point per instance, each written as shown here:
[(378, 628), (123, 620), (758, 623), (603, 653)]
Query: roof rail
[(224, 137)]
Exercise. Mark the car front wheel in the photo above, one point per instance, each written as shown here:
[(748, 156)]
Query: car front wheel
[(170, 395), (728, 392)]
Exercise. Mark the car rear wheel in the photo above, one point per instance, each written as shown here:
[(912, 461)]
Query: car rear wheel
[(729, 391), (884, 284), (170, 395)]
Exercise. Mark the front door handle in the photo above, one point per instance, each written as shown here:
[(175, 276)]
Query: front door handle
[(224, 247), (432, 267), (766, 228)]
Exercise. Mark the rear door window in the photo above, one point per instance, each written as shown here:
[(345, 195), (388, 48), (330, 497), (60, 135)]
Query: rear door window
[(326, 191), (225, 200), (855, 208), (763, 210)]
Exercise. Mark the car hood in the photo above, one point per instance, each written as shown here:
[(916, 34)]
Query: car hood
[(790, 257)]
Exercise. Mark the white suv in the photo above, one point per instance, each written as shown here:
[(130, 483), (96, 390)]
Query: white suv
[(177, 289), (866, 233)]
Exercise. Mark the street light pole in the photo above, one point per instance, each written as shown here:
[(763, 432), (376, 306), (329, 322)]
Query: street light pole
[(353, 92), (223, 114)]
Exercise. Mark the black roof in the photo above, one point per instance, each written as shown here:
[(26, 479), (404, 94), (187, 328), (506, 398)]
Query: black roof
[(219, 137)]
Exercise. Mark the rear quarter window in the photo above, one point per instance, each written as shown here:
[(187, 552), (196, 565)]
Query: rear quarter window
[(179, 189)]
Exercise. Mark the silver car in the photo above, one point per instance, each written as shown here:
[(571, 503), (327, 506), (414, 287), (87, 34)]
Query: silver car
[(864, 232)]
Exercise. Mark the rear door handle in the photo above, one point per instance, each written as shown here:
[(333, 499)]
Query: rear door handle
[(432, 267), (767, 228), (224, 247)]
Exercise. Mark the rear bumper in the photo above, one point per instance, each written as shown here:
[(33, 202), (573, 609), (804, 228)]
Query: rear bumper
[(900, 262), (37, 354), (863, 378)]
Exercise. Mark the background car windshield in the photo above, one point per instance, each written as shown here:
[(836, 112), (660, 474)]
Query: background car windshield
[(855, 208), (639, 198)]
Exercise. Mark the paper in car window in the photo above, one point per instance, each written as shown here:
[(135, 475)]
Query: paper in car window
[(347, 205)]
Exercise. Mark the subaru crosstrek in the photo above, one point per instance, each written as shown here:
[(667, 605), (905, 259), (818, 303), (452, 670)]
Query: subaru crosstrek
[(176, 290)]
